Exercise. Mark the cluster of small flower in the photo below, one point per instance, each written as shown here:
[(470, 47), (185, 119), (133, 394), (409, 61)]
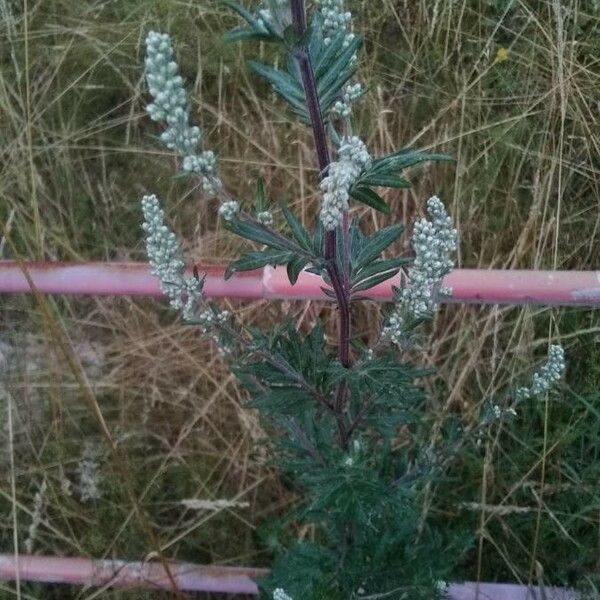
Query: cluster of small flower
[(432, 241), (343, 107), (493, 412), (229, 209), (279, 594), (166, 86), (39, 506), (353, 159), (208, 319), (166, 260), (89, 474), (355, 150), (547, 376), (441, 587), (204, 165), (265, 217), (335, 20), (170, 106), (394, 330)]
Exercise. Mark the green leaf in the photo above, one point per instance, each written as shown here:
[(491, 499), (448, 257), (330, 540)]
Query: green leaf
[(384, 269), (294, 268), (402, 159), (239, 34), (318, 243), (333, 66), (367, 284), (287, 400), (256, 28), (340, 69), (376, 244), (383, 180), (370, 198), (261, 197), (256, 260), (298, 230), (285, 85), (252, 230), (324, 59), (377, 266), (241, 11), (355, 238)]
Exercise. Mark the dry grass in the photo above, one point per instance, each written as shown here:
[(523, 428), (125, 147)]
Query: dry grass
[(76, 156)]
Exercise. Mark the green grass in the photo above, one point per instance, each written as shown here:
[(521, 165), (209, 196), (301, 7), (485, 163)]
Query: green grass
[(78, 152)]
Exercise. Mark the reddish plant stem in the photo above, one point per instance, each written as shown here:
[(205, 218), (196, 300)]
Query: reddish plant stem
[(339, 277)]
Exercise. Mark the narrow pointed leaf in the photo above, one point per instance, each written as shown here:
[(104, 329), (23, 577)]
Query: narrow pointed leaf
[(300, 234), (377, 243), (370, 198), (256, 260), (403, 159), (284, 84), (241, 11), (377, 267), (252, 230), (367, 284), (383, 180), (294, 268)]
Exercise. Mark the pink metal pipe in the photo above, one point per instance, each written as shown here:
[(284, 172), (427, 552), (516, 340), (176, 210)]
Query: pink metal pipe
[(196, 578), (134, 279), (119, 573)]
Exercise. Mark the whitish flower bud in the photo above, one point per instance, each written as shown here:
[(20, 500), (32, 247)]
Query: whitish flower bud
[(433, 242), (343, 108), (353, 159), (335, 20), (394, 330), (279, 594), (544, 379), (265, 218), (228, 210), (171, 107), (166, 261)]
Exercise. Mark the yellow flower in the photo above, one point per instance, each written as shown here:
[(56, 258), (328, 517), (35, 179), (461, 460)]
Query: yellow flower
[(501, 55)]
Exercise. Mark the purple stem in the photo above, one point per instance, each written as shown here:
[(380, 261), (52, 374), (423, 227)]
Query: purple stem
[(339, 280)]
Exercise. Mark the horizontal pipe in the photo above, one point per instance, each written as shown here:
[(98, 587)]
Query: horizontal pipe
[(120, 573), (196, 578), (479, 286)]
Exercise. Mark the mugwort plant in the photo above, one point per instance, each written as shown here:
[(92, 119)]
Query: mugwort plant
[(345, 425)]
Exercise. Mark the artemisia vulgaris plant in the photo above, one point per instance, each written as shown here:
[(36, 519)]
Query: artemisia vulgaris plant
[(334, 419)]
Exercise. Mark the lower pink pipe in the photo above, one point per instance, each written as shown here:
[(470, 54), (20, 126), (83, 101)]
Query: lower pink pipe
[(134, 279), (195, 578), (119, 573)]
